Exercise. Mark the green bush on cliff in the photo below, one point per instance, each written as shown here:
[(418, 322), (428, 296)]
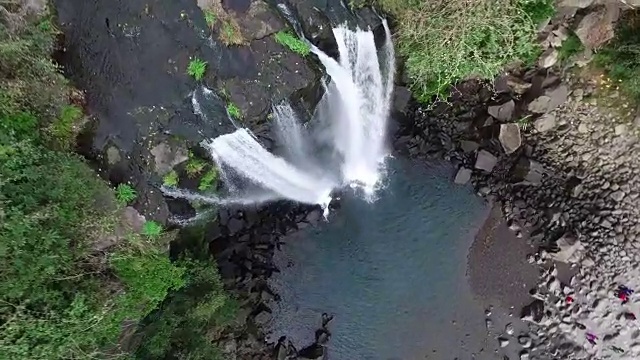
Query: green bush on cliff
[(447, 41), (62, 294)]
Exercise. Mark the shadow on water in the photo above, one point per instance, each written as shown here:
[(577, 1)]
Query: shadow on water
[(392, 272)]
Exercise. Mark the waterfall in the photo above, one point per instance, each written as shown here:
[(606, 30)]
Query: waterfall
[(344, 144)]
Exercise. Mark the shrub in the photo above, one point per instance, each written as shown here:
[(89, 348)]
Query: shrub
[(292, 42), (125, 193), (447, 41), (197, 68)]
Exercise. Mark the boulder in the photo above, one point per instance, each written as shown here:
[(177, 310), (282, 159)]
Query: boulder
[(503, 112), (401, 98), (510, 138), (597, 27), (469, 146), (548, 58), (518, 85), (528, 171), (485, 161), (545, 123), (462, 176), (167, 156)]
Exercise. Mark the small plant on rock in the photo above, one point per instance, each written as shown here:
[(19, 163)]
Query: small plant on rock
[(210, 17), (194, 165), (171, 179), (151, 229), (234, 111), (570, 47), (125, 193), (209, 180), (197, 68), (291, 42)]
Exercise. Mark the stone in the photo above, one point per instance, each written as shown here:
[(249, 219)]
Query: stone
[(469, 146), (545, 123), (534, 311), (509, 329), (529, 171), (518, 85), (620, 129), (597, 27), (259, 21), (540, 104), (525, 341), (583, 128), (462, 176), (504, 342), (557, 96), (510, 138), (548, 58), (580, 4), (568, 246), (262, 318), (485, 161), (167, 156), (503, 112), (617, 195), (113, 155)]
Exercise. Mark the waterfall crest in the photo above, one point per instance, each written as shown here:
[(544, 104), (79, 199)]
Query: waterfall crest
[(344, 144)]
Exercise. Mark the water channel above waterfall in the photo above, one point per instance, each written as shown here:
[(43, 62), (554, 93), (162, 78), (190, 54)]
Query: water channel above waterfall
[(393, 272)]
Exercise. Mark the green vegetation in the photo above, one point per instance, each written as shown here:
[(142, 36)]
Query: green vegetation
[(234, 111), (209, 180), (292, 42), (447, 41), (621, 57), (125, 193), (210, 18), (570, 47), (195, 165), (230, 33), (64, 294), (197, 68), (152, 229), (171, 179)]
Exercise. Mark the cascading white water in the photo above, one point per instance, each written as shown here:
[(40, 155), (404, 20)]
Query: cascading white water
[(350, 120)]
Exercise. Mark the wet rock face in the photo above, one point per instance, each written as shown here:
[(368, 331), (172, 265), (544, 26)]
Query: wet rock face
[(130, 58)]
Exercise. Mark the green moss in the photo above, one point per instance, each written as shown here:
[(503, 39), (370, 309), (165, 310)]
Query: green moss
[(197, 68), (194, 165), (291, 42), (210, 17)]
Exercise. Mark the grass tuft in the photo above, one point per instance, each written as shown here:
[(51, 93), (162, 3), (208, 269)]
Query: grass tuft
[(292, 42), (210, 17), (125, 194), (447, 41), (151, 229), (171, 179), (234, 111), (197, 68)]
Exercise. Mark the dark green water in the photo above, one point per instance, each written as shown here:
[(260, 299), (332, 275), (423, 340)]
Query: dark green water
[(393, 272)]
